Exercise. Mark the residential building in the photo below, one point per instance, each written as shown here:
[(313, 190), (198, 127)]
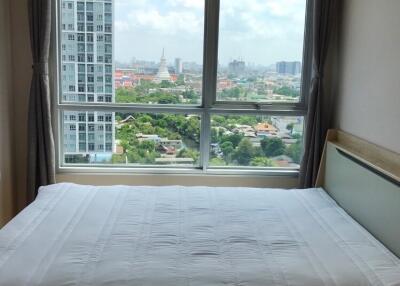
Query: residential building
[(292, 68), (237, 67), (87, 76), (178, 66), (266, 130)]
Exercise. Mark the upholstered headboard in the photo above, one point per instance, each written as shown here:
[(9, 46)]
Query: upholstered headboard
[(364, 179)]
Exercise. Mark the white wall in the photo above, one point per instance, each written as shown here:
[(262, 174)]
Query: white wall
[(6, 166), (369, 74)]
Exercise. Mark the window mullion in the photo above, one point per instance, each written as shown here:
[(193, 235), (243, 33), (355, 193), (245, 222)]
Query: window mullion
[(210, 65), (211, 29)]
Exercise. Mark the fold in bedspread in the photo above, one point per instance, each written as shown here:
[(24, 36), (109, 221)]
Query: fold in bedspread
[(173, 236)]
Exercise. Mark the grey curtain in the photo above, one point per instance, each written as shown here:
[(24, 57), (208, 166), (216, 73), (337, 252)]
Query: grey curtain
[(41, 154), (320, 102)]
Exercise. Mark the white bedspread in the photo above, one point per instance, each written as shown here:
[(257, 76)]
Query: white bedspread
[(173, 236)]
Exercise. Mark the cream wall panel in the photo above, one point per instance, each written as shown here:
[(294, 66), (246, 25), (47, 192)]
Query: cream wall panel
[(369, 73)]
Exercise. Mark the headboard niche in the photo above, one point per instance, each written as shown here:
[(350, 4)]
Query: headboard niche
[(364, 179)]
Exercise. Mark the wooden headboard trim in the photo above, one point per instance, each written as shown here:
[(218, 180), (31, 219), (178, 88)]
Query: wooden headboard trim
[(375, 157)]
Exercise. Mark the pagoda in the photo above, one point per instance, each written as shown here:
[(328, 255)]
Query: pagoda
[(163, 73)]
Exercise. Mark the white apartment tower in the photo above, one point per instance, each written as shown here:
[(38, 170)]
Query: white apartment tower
[(87, 73)]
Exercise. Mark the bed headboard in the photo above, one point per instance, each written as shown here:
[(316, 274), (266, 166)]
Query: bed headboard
[(364, 179)]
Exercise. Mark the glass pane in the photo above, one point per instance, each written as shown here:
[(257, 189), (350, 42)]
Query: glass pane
[(131, 139), (260, 50), (256, 141), (136, 52), (159, 51)]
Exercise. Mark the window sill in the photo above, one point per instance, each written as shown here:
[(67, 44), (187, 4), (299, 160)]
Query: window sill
[(272, 172), (106, 177)]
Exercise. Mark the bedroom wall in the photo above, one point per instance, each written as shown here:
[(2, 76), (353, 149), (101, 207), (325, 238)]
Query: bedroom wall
[(6, 119), (369, 74)]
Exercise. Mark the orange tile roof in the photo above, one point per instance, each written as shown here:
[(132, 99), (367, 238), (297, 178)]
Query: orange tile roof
[(265, 127)]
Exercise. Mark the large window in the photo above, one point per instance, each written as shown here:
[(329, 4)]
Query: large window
[(182, 84)]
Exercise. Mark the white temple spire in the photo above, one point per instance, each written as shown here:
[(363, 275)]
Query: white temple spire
[(163, 73)]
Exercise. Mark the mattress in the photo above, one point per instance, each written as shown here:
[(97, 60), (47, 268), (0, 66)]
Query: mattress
[(173, 236)]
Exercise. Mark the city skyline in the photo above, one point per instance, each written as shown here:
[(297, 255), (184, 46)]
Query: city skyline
[(273, 32), (171, 62)]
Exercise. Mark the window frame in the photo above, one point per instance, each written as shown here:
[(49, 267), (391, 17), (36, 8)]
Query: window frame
[(209, 104)]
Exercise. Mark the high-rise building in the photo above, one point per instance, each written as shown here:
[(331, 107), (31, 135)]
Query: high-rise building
[(237, 67), (292, 68), (87, 75), (163, 73), (178, 66)]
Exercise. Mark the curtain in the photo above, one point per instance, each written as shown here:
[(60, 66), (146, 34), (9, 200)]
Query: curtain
[(319, 102), (41, 153)]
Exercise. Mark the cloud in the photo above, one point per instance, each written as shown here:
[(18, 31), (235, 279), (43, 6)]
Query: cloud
[(197, 4), (248, 28), (270, 19), (122, 26), (168, 23), (131, 3), (285, 7)]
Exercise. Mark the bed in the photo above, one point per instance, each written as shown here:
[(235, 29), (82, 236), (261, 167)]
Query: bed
[(174, 235)]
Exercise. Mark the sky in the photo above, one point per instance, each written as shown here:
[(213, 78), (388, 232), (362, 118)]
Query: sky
[(260, 32)]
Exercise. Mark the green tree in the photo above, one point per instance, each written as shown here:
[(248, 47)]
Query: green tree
[(145, 86), (273, 146), (227, 148), (118, 159), (286, 90), (133, 156), (181, 80), (124, 95), (218, 120), (166, 98), (247, 120), (244, 152), (235, 92), (189, 153), (217, 162), (191, 129), (146, 128), (145, 118), (147, 145), (166, 84), (214, 135), (294, 151), (150, 158), (235, 139), (297, 136), (261, 162), (190, 94)]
